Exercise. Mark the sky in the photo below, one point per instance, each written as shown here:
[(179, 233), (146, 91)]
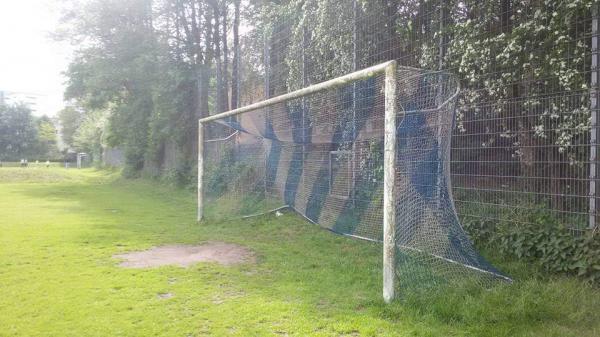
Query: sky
[(30, 61)]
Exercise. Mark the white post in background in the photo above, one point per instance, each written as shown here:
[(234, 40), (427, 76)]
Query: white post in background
[(389, 180), (200, 213)]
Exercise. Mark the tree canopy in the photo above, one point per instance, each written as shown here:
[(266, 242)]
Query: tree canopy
[(154, 67)]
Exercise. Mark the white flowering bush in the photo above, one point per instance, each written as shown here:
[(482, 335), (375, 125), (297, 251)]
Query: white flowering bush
[(527, 71)]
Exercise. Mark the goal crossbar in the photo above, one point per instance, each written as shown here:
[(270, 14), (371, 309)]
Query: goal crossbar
[(312, 89)]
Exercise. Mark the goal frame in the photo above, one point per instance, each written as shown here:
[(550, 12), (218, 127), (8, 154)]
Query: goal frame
[(389, 69)]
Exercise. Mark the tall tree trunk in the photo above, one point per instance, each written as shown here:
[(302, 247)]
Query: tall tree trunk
[(225, 71), (422, 31), (390, 22), (217, 56), (204, 74), (506, 13), (235, 71)]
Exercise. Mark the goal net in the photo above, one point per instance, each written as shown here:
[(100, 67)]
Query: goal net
[(322, 152)]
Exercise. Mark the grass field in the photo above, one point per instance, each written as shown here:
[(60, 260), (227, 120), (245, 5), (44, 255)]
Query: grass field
[(60, 228), (33, 164)]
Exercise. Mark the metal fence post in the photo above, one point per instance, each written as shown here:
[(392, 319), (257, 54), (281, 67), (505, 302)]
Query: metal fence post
[(267, 84), (439, 101), (200, 213), (594, 93), (354, 97), (389, 179), (304, 103)]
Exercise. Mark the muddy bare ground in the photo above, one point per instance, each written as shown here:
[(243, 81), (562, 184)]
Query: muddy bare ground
[(186, 255)]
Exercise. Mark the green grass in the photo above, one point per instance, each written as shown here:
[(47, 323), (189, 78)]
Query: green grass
[(60, 228), (33, 164)]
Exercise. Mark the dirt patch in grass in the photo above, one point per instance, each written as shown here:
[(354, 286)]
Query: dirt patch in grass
[(186, 255), (164, 296)]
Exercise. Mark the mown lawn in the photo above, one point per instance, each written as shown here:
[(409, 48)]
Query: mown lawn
[(60, 228)]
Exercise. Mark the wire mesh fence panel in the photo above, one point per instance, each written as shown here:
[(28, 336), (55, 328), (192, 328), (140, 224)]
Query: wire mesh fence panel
[(524, 146)]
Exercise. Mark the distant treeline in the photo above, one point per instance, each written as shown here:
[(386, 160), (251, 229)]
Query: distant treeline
[(24, 136)]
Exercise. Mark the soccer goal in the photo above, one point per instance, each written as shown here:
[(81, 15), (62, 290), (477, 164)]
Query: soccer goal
[(364, 155)]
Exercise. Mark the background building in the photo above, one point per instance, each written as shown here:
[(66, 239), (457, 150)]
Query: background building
[(32, 100)]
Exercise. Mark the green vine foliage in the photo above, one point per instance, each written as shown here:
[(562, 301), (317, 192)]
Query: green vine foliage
[(539, 238), (517, 65), (228, 175)]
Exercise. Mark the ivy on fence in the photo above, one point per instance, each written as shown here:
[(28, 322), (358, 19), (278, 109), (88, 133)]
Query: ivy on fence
[(541, 240)]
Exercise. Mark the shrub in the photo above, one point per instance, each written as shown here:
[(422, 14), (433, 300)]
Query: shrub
[(537, 236)]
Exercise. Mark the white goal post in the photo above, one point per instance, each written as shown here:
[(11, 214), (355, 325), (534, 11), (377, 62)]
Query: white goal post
[(389, 69)]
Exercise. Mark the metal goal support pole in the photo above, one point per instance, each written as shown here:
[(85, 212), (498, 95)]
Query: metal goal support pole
[(389, 179), (200, 213)]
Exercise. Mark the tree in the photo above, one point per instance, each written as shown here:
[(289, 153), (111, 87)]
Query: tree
[(235, 78), (90, 136), (152, 65), (70, 119), (47, 141), (116, 69), (522, 70), (18, 133)]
